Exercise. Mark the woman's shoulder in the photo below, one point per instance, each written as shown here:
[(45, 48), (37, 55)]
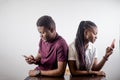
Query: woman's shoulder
[(72, 44)]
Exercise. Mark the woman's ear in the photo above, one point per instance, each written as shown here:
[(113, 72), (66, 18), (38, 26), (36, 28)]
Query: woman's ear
[(86, 34)]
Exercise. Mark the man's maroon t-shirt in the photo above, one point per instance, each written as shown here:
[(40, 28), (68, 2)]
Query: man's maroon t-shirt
[(52, 52)]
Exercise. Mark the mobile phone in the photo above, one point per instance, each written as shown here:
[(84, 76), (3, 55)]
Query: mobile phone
[(113, 44), (24, 56)]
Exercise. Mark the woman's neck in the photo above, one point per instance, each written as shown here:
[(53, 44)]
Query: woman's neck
[(86, 45)]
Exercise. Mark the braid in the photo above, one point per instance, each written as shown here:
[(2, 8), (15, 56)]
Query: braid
[(79, 45)]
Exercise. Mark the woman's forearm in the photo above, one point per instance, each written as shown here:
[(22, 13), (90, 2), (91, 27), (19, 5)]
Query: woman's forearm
[(100, 64)]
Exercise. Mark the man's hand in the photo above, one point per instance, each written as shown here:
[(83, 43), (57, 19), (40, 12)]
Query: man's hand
[(30, 59), (34, 73)]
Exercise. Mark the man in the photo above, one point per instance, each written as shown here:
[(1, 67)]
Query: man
[(53, 50)]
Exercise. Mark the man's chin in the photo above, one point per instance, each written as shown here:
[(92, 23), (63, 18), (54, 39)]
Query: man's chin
[(44, 40)]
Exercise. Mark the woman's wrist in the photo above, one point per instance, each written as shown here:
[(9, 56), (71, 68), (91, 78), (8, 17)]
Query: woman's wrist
[(105, 58), (92, 73)]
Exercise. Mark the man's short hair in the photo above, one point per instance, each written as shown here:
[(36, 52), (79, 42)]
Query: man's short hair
[(46, 21)]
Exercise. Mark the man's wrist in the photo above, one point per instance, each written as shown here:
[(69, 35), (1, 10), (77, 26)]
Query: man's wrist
[(38, 72)]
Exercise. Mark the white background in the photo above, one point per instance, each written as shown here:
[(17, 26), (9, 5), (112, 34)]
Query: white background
[(19, 35)]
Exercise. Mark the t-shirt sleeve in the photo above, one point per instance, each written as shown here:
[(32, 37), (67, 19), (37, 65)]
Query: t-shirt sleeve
[(62, 53), (71, 53)]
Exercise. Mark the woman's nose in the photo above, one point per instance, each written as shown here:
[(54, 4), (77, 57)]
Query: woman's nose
[(96, 37)]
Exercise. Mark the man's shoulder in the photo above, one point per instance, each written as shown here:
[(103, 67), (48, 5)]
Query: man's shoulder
[(61, 42)]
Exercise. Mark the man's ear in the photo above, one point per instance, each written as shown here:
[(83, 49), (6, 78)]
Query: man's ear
[(52, 30)]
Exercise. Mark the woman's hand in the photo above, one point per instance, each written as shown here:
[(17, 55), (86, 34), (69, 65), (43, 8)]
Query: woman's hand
[(100, 73), (109, 50), (97, 73)]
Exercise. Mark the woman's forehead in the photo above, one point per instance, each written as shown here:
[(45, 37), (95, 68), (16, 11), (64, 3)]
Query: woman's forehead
[(93, 29)]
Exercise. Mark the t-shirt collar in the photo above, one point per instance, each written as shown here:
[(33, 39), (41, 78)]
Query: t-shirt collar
[(89, 45)]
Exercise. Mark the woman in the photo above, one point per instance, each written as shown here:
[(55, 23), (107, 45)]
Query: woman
[(82, 57)]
